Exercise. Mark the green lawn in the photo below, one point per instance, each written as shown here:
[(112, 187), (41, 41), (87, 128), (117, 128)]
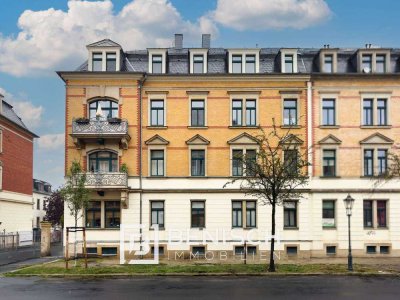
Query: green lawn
[(58, 268)]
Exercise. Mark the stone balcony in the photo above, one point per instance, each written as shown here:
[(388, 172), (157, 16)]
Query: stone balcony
[(111, 180), (86, 131)]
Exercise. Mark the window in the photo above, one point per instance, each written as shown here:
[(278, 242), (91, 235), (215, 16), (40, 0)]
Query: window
[(91, 250), (97, 61), (237, 112), (250, 214), (237, 162), (290, 159), (251, 162), (111, 62), (290, 214), (157, 113), (331, 250), (198, 214), (290, 112), (198, 163), (368, 162), (250, 63), (380, 63), (251, 250), (109, 251), (93, 214), (368, 217), (237, 214), (103, 162), (328, 63), (328, 112), (328, 213), (109, 109), (289, 65), (368, 111), (381, 112), (291, 250), (382, 161), (199, 251), (367, 62), (198, 63), (329, 163), (197, 113), (250, 112), (156, 61), (236, 63), (157, 213), (112, 214), (45, 204), (38, 204), (371, 249), (384, 249), (160, 250), (239, 250), (381, 213), (157, 162), (38, 222)]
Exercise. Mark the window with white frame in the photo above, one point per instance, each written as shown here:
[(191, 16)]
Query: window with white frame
[(371, 61), (328, 112), (289, 60), (244, 112), (198, 162), (97, 61), (290, 214), (156, 64), (198, 61), (290, 112), (244, 209), (243, 161), (197, 112), (157, 61), (328, 213), (157, 112), (244, 61), (111, 61), (157, 213), (236, 63), (103, 60), (328, 63), (157, 162)]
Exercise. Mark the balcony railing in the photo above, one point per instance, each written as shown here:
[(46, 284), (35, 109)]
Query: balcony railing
[(100, 127), (107, 180)]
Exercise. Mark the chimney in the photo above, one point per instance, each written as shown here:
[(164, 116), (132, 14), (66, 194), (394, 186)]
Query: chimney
[(206, 40), (178, 41)]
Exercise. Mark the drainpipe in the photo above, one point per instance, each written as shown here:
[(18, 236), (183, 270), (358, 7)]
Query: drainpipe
[(141, 83), (310, 120)]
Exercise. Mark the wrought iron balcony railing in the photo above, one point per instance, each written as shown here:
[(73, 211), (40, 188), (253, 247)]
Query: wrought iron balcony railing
[(99, 127), (107, 180)]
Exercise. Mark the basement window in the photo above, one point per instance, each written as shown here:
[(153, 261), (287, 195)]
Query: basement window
[(331, 250), (109, 251), (291, 250), (371, 249)]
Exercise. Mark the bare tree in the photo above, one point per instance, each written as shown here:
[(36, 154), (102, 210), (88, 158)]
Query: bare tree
[(277, 173)]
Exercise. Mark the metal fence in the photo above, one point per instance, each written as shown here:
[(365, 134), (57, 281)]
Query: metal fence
[(19, 246), (9, 241)]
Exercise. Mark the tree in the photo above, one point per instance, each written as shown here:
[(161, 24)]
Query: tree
[(55, 208), (74, 192), (276, 173)]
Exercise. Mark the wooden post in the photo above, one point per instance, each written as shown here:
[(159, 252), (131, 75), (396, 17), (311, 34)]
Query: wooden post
[(66, 250), (84, 246)]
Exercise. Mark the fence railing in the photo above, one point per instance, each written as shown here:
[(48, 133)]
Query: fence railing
[(9, 241)]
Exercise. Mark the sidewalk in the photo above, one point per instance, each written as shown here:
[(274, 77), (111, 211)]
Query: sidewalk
[(25, 263)]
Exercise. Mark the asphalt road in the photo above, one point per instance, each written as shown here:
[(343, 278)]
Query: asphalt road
[(243, 288)]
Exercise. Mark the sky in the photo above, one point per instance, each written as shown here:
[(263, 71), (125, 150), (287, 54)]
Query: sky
[(39, 37)]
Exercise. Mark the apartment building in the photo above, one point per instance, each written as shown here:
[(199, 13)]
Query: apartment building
[(16, 171), (157, 131), (41, 193)]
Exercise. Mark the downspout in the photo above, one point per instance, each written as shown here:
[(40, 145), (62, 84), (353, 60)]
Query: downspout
[(310, 121), (141, 83)]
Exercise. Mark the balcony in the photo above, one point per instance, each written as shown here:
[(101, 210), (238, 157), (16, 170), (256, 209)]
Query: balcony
[(85, 130), (111, 180)]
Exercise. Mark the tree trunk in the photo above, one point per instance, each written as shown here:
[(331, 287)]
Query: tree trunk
[(271, 255)]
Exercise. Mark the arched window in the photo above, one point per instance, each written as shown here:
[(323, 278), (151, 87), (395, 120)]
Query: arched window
[(109, 109), (103, 161)]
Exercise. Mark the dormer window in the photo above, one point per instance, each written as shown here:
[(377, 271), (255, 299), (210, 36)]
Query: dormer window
[(111, 62), (157, 61), (157, 64), (97, 61), (289, 60), (328, 60), (244, 61), (198, 61), (380, 63), (328, 63), (367, 63), (373, 60)]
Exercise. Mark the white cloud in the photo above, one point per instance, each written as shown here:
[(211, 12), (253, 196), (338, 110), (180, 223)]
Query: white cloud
[(270, 14), (52, 39), (30, 114), (51, 141)]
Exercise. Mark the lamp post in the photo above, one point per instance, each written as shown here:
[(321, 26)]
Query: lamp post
[(348, 202)]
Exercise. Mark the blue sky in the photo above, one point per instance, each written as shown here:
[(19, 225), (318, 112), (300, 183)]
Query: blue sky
[(39, 37)]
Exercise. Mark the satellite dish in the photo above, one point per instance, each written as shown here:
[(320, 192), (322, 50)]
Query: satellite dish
[(367, 70)]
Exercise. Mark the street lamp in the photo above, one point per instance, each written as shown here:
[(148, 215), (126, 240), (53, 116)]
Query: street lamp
[(348, 202)]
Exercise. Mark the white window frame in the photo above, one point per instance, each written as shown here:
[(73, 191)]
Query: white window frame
[(163, 53), (375, 97), (157, 147), (322, 54), (199, 51), (104, 51), (244, 97), (197, 96), (373, 53), (289, 52), (198, 147), (157, 96), (243, 53)]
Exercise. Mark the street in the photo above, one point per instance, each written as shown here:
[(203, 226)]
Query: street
[(254, 287)]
